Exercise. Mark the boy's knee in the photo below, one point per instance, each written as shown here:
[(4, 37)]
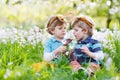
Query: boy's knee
[(93, 67)]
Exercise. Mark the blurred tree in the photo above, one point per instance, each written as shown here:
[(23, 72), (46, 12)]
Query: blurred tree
[(107, 10), (13, 2), (7, 1), (109, 15), (17, 2), (110, 10), (35, 12)]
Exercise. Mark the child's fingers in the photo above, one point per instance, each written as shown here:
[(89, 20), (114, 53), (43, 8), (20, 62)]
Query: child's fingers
[(63, 50), (84, 49), (63, 47)]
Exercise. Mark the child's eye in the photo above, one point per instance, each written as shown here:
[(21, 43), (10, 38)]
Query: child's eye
[(76, 30), (59, 28)]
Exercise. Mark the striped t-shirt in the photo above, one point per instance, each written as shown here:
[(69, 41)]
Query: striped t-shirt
[(92, 44)]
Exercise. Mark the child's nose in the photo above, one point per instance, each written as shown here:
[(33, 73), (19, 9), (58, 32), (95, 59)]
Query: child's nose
[(74, 32), (63, 29)]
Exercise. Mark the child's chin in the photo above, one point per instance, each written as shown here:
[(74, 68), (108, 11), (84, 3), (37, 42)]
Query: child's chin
[(62, 37), (76, 38)]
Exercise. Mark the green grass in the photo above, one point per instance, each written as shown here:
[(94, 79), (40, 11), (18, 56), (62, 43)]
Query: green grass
[(22, 57)]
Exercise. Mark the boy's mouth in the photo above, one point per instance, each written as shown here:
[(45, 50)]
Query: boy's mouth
[(63, 33), (77, 37)]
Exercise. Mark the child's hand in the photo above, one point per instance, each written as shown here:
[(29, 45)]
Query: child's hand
[(60, 50), (75, 65), (85, 50)]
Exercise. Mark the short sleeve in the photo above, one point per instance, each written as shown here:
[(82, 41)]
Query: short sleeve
[(96, 47), (47, 47)]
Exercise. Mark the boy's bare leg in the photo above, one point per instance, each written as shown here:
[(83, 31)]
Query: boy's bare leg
[(92, 68), (75, 65)]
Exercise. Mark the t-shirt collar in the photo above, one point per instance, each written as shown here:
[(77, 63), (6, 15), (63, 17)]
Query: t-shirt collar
[(55, 40), (87, 40)]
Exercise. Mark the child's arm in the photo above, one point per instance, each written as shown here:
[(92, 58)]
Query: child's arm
[(48, 56), (61, 49), (98, 55)]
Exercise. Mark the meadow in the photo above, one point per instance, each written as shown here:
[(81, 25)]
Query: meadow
[(23, 34), (20, 49)]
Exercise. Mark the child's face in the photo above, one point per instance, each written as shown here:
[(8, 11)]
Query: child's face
[(60, 31), (79, 33)]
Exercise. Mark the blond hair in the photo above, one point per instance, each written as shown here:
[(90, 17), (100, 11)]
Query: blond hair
[(55, 21), (83, 23)]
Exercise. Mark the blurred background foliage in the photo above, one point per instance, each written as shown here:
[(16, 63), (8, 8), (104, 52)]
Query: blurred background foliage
[(27, 13)]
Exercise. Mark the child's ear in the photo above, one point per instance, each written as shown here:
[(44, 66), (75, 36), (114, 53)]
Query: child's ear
[(52, 31), (85, 31)]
